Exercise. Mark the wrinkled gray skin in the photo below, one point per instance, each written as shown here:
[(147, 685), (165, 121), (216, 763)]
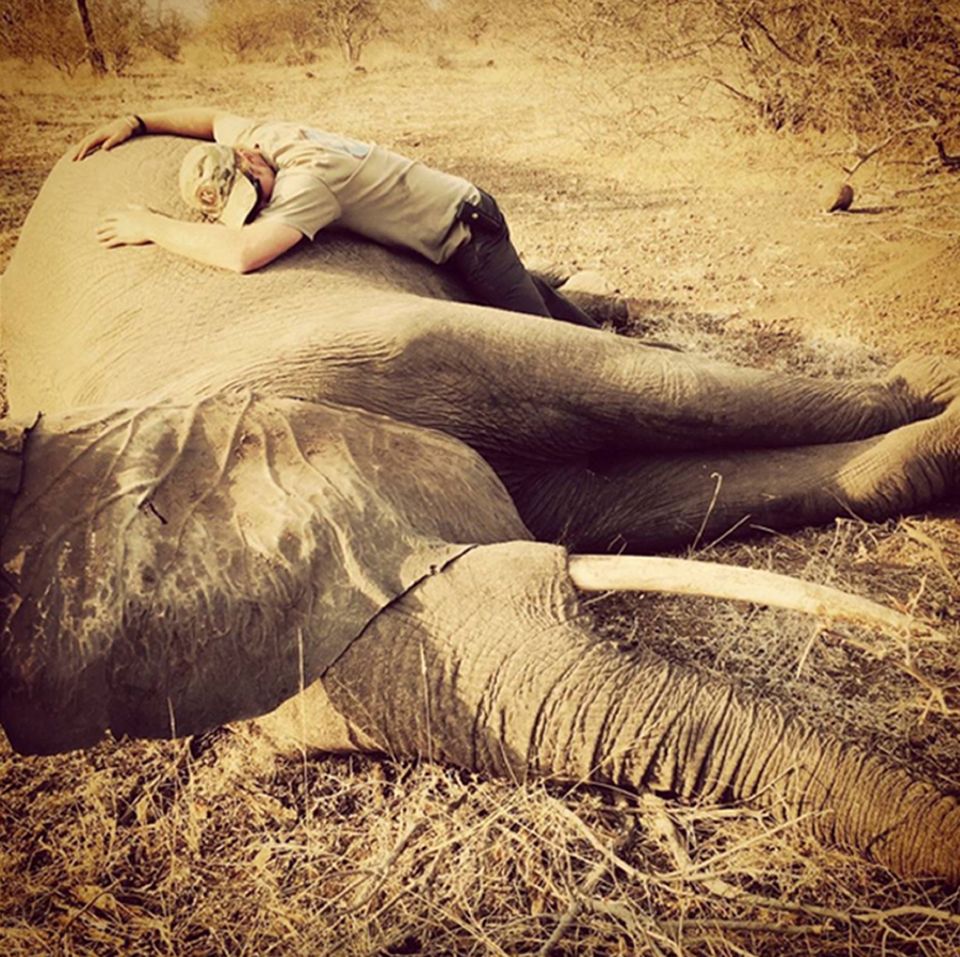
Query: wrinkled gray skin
[(242, 484)]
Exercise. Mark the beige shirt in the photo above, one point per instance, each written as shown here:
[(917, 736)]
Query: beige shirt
[(323, 178)]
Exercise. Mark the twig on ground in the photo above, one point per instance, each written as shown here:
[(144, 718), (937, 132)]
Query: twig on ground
[(815, 633), (709, 923), (610, 853), (645, 926), (576, 905), (739, 94), (718, 480), (583, 899), (383, 871)]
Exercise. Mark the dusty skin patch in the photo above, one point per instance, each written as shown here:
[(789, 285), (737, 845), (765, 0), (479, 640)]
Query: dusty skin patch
[(213, 846)]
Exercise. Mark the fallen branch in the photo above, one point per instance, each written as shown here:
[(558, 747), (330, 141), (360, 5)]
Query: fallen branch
[(865, 155), (951, 162)]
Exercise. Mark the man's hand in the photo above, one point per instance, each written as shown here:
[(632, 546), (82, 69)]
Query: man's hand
[(127, 227), (106, 137), (193, 121)]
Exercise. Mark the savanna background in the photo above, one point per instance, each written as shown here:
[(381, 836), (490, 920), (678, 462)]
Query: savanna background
[(687, 151)]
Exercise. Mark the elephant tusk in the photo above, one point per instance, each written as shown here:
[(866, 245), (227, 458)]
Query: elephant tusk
[(680, 576)]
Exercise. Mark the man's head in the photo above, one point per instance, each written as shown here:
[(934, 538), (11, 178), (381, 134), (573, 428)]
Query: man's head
[(226, 184)]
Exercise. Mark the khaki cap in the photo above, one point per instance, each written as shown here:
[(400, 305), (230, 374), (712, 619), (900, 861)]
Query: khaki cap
[(212, 182)]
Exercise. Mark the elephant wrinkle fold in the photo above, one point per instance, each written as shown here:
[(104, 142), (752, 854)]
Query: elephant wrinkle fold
[(338, 487)]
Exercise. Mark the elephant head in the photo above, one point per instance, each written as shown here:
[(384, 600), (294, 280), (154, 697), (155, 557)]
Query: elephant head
[(230, 548), (325, 484)]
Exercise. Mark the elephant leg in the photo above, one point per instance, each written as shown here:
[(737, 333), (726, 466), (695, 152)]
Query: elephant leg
[(670, 501), (512, 386), (491, 665)]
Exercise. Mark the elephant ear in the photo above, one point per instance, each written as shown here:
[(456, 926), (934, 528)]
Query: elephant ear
[(173, 567)]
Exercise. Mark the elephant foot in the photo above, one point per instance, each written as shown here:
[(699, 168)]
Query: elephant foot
[(908, 469), (938, 449), (926, 384)]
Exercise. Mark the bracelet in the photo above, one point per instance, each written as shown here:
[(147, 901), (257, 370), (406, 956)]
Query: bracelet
[(141, 128)]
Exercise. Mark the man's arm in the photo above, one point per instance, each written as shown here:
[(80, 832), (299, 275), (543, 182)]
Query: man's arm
[(240, 250), (195, 121)]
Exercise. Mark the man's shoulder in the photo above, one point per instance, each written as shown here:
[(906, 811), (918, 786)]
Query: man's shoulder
[(229, 128), (232, 129)]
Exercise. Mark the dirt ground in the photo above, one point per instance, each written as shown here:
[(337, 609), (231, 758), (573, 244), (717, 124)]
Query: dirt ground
[(717, 231)]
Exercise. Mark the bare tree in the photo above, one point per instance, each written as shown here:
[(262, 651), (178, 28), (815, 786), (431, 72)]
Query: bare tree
[(94, 53)]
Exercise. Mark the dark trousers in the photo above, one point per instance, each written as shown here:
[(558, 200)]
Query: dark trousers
[(488, 265)]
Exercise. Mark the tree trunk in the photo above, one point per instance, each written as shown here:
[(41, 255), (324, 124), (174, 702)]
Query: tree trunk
[(94, 53)]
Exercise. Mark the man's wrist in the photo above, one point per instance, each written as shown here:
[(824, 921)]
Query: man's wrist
[(153, 223), (138, 128)]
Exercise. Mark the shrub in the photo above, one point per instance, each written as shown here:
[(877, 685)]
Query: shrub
[(352, 24), (297, 22), (855, 66), (848, 64), (167, 33), (242, 29), (120, 27), (46, 30), (247, 29), (595, 30)]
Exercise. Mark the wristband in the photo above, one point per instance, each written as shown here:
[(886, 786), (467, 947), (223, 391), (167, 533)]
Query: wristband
[(141, 128)]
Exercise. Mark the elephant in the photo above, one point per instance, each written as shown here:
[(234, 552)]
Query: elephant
[(336, 491)]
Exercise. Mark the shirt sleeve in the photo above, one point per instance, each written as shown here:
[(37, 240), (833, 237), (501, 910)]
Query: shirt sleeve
[(302, 200)]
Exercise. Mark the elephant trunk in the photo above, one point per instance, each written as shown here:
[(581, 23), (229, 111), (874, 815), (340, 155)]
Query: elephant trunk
[(853, 799), (702, 740), (490, 666)]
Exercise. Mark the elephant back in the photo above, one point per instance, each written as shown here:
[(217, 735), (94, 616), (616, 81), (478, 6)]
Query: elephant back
[(84, 325)]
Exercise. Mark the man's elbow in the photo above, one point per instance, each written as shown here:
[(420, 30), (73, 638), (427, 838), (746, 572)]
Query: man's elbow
[(246, 260), (243, 266), (250, 249)]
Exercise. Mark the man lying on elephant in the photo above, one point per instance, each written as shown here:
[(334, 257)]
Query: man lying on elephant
[(272, 184)]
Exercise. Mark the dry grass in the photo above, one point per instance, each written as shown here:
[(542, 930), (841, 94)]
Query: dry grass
[(153, 848), (217, 846)]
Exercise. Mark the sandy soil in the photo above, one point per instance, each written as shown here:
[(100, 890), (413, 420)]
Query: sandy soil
[(717, 230)]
